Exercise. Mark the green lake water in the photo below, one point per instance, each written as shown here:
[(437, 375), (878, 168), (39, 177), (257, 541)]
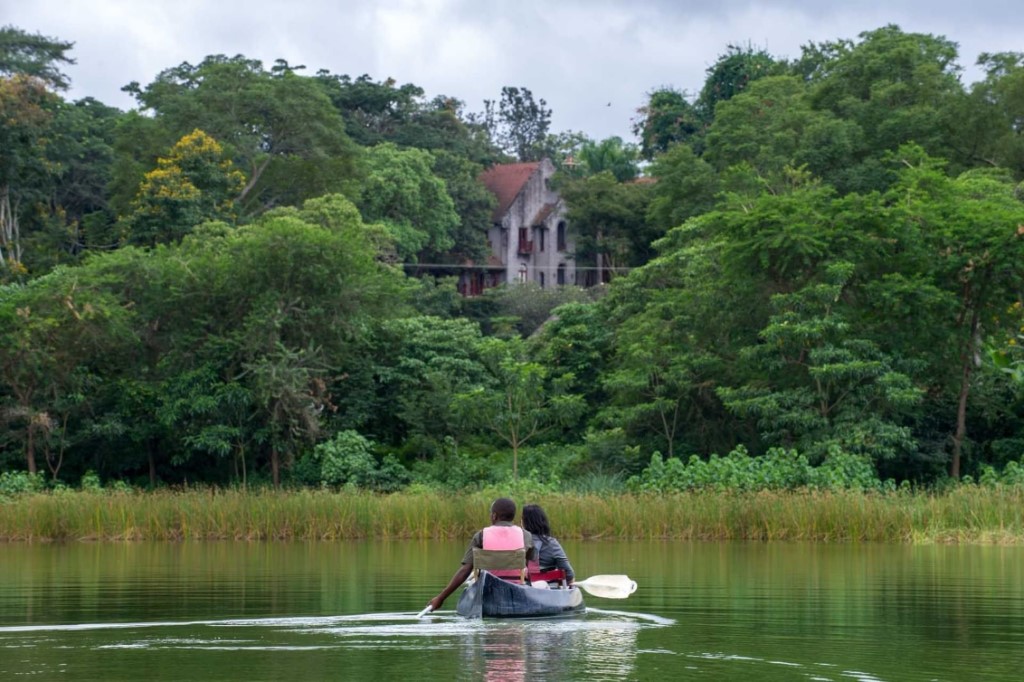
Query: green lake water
[(346, 611)]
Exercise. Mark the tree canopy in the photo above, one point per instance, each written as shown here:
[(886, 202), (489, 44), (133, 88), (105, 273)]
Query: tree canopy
[(813, 264)]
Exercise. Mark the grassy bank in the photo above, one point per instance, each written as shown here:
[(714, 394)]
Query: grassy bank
[(967, 514)]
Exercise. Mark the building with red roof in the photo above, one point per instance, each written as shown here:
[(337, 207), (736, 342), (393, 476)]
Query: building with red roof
[(529, 235)]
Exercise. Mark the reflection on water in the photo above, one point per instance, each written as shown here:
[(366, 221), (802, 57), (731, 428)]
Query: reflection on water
[(714, 611), (603, 643)]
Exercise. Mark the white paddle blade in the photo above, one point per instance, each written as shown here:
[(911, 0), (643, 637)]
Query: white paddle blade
[(425, 611), (609, 586)]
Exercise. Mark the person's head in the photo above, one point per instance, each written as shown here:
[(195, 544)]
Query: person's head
[(535, 520), (503, 509)]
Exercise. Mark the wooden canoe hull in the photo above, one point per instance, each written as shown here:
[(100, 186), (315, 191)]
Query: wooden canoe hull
[(491, 597)]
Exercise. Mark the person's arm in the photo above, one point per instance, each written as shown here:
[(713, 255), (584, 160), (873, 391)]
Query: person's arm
[(561, 560), (453, 584), (461, 574)]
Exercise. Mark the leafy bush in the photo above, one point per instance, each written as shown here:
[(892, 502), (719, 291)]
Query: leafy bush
[(777, 469), (120, 487), (1012, 475), (348, 460), (844, 470), (20, 482), (391, 476), (91, 481), (524, 488)]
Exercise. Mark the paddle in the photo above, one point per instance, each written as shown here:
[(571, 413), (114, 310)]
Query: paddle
[(608, 586), (425, 611)]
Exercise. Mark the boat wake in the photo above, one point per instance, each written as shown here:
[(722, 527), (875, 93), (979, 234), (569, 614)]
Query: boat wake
[(594, 618)]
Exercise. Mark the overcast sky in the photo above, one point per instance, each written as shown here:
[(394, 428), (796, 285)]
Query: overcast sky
[(592, 60)]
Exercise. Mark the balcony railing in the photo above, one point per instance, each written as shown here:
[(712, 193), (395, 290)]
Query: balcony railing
[(525, 246)]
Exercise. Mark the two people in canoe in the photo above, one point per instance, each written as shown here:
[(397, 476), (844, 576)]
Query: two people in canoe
[(507, 550)]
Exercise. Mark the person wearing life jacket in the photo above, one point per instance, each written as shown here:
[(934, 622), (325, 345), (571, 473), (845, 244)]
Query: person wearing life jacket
[(502, 535)]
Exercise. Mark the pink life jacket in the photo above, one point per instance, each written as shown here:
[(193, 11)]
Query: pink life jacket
[(504, 538)]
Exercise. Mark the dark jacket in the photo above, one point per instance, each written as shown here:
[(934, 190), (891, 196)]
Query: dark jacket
[(550, 555)]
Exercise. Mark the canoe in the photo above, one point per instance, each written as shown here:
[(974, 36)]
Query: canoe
[(491, 597)]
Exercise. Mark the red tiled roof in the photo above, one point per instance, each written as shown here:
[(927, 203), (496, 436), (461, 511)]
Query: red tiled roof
[(505, 181)]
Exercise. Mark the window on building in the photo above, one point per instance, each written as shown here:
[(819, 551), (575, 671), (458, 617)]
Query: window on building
[(522, 274), (561, 236), (540, 279), (525, 243), (540, 238), (561, 274)]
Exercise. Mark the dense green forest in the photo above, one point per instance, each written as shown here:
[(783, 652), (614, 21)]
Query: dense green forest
[(817, 271)]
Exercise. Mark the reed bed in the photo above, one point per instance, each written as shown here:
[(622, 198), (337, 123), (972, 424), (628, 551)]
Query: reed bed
[(967, 514)]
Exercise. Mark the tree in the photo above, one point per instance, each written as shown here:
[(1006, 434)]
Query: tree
[(26, 111), (422, 363), (523, 309), (972, 225), (288, 388), (375, 112), (771, 126), (684, 319), (666, 119), (518, 403), (685, 186), (57, 333), (34, 55), (609, 220), (661, 374), (378, 112), (194, 184), (44, 160), (893, 85), (576, 342), (442, 124), (986, 123), (250, 338), (280, 127), (473, 204), (732, 74), (819, 384), (520, 124), (303, 286), (138, 141), (82, 156), (401, 191), (609, 155)]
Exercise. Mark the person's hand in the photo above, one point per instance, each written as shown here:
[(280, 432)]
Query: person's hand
[(436, 603)]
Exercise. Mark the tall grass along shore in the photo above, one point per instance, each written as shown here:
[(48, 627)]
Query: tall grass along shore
[(965, 514)]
